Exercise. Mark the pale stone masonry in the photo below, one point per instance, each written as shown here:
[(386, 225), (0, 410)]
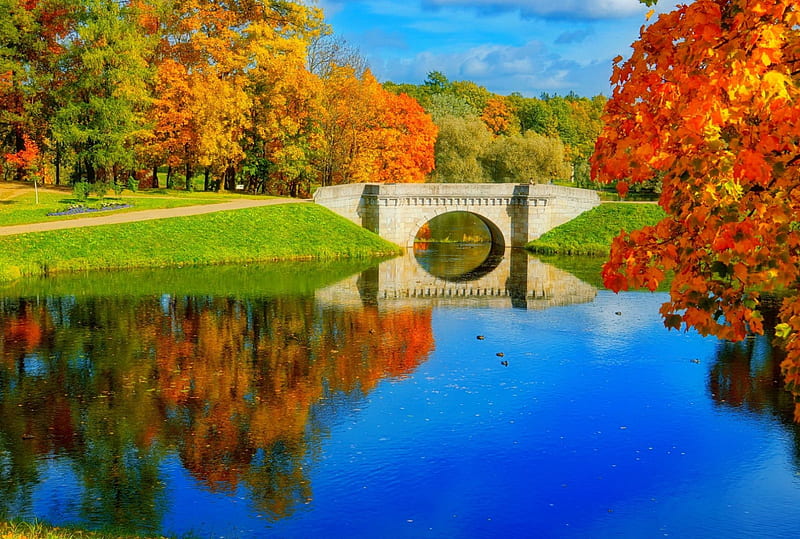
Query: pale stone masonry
[(515, 280), (514, 213)]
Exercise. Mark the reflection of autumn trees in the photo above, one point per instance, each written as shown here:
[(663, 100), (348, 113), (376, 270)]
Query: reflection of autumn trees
[(230, 384), (747, 375)]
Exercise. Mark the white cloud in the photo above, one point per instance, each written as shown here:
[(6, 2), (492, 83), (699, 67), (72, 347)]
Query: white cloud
[(526, 46), (529, 69), (330, 7), (573, 9)]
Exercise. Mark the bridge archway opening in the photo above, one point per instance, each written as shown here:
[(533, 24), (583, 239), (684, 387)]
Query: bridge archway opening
[(459, 246)]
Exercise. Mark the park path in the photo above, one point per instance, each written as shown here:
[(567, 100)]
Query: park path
[(144, 215)]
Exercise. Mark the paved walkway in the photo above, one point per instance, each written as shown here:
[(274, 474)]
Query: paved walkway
[(144, 215)]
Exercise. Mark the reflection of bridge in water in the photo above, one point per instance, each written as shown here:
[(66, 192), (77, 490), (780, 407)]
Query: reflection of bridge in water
[(518, 280)]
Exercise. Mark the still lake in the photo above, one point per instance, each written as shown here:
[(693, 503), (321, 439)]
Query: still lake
[(429, 396)]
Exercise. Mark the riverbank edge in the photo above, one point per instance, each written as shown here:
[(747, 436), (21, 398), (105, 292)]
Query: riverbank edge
[(17, 529), (287, 232)]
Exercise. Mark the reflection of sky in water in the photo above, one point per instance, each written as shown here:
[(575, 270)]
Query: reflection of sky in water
[(60, 504), (32, 365), (561, 442), (601, 425)]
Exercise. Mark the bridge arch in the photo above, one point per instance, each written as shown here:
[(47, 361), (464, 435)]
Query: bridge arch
[(517, 213), (495, 233)]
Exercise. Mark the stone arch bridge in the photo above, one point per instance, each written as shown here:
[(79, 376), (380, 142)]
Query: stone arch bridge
[(514, 213)]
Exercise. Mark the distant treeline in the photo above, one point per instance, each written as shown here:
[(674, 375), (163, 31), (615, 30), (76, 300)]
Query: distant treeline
[(488, 137)]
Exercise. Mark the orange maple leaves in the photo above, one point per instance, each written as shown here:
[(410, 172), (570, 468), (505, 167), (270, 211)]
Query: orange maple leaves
[(709, 102), (372, 135)]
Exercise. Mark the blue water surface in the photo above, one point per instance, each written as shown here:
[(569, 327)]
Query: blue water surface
[(601, 425), (594, 421)]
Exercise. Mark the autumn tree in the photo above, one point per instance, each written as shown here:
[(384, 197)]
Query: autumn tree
[(709, 101), (286, 135), (528, 158), (346, 114), (372, 135), (499, 117), (460, 146), (225, 72), (405, 139)]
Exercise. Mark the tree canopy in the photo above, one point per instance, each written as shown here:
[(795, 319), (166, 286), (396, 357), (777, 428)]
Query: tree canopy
[(468, 116), (242, 90), (709, 102)]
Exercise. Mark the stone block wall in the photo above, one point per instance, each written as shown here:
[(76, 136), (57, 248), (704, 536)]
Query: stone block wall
[(514, 213)]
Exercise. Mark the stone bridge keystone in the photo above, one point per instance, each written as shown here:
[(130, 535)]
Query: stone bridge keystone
[(514, 213)]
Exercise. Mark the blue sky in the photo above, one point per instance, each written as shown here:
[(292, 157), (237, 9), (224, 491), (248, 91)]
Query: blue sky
[(525, 46)]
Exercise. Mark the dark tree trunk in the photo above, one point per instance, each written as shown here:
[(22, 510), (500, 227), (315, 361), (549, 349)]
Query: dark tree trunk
[(91, 177), (58, 163), (206, 179), (155, 177), (19, 145), (188, 176), (230, 178)]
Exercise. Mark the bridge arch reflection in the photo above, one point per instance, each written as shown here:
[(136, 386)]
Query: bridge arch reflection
[(518, 280), (458, 262)]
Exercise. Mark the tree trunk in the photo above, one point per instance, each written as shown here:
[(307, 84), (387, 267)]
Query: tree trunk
[(169, 177), (90, 172), (155, 177), (230, 178), (206, 179), (188, 176), (58, 163)]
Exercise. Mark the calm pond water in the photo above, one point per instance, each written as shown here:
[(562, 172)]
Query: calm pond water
[(344, 400)]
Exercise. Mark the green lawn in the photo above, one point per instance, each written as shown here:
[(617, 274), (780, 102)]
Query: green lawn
[(591, 233), (24, 209), (282, 232)]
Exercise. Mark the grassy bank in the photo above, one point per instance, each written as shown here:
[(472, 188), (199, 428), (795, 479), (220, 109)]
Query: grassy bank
[(591, 233), (37, 530), (282, 232)]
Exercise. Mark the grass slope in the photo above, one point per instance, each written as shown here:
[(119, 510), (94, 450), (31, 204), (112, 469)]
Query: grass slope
[(283, 232), (591, 233)]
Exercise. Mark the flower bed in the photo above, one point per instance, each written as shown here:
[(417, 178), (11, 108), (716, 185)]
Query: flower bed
[(80, 208)]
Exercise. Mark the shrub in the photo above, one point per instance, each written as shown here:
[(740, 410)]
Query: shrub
[(81, 191), (100, 188)]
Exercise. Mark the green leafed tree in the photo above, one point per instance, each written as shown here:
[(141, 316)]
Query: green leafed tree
[(528, 158), (459, 149), (32, 37), (105, 94)]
